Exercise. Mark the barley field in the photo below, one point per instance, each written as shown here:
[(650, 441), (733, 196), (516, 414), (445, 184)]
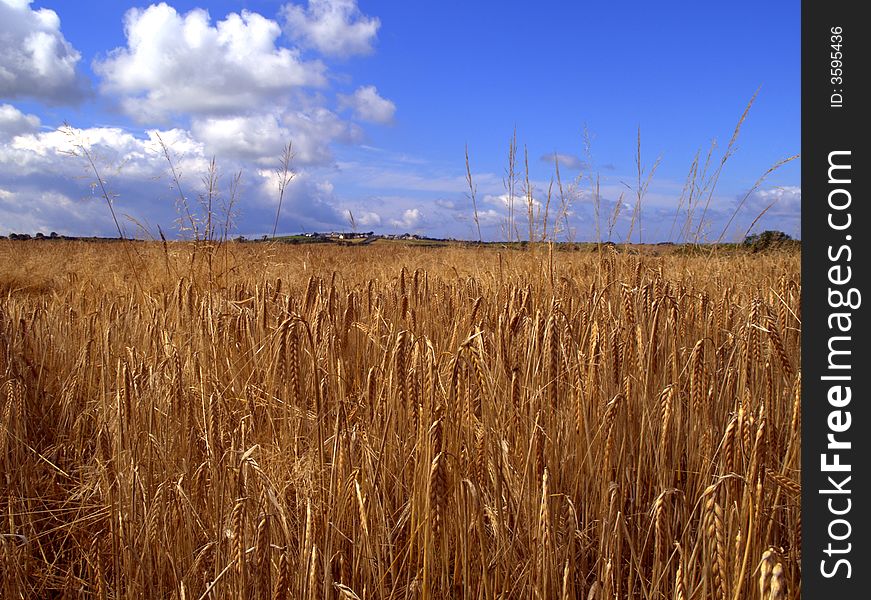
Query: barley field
[(273, 421)]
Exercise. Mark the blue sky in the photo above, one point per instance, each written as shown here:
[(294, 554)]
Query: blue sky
[(379, 100)]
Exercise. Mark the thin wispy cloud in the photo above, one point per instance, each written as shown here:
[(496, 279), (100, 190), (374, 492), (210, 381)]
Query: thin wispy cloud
[(566, 161)]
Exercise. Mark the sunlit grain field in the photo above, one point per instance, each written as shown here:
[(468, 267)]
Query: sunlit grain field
[(269, 421)]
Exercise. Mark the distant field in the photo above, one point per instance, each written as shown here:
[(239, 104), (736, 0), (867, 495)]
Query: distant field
[(388, 421)]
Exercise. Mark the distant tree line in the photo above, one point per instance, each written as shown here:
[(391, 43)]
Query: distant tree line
[(767, 240), (39, 236)]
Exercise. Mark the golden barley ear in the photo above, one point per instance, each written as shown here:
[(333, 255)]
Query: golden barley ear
[(697, 383), (480, 455), (658, 519), (665, 404), (237, 533), (611, 410), (779, 349), (438, 492), (778, 583), (262, 557), (715, 534), (786, 484), (766, 565), (729, 444)]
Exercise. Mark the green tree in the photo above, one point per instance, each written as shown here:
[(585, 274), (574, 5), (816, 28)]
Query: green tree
[(765, 240)]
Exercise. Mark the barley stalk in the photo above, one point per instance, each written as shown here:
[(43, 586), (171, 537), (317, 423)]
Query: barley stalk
[(388, 421)]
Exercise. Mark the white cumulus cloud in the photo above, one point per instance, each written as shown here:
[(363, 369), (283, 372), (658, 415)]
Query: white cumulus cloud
[(367, 218), (519, 204), (233, 87), (368, 105), (333, 27), (36, 60), (314, 129), (261, 137), (409, 220), (176, 63), (244, 136), (13, 122), (785, 201), (117, 153)]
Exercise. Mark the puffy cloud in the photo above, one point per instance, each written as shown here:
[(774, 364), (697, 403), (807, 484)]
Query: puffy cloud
[(520, 201), (49, 182), (49, 151), (367, 218), (36, 60), (39, 168), (113, 149), (253, 136), (491, 217), (368, 105), (262, 137), (183, 64), (333, 27), (312, 131), (410, 219), (776, 208), (234, 90), (13, 122), (785, 201), (44, 187), (364, 218)]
